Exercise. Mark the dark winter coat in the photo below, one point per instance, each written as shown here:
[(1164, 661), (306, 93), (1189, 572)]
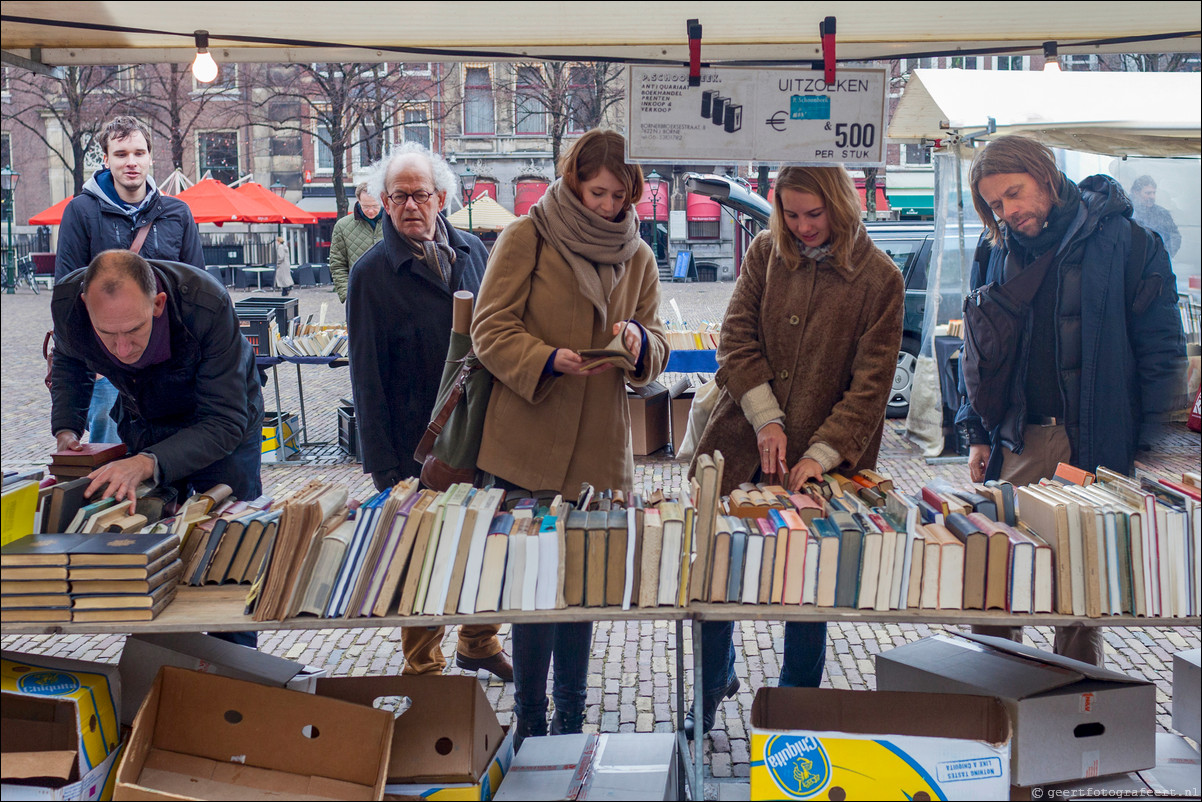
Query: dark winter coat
[(92, 223), (189, 411), (1120, 353), (398, 315)]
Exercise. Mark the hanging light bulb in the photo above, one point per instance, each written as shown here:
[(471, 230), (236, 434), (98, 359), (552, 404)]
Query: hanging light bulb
[(204, 68), (1051, 58)]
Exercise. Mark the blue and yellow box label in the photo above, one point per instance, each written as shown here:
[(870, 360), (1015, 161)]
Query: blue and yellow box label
[(481, 791)]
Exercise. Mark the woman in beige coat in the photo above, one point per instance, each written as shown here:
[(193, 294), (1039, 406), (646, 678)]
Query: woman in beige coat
[(806, 361), (573, 275)]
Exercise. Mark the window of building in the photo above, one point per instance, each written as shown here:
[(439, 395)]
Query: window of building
[(704, 217), (964, 62), (529, 111), (1081, 62), (479, 113), (226, 82), (1012, 63), (580, 88), (416, 68), (113, 77), (416, 125), (916, 155), (908, 64), (323, 157), (218, 155)]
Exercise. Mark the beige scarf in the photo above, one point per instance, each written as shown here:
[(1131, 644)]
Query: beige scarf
[(596, 249)]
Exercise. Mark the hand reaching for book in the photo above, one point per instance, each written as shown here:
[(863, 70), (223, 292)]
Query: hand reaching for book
[(68, 441), (121, 479), (805, 470)]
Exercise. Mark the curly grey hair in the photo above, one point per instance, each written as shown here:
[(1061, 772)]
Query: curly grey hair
[(445, 179)]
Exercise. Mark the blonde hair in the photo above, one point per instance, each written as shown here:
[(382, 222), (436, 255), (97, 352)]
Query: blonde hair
[(836, 189), (596, 150), (1013, 154)]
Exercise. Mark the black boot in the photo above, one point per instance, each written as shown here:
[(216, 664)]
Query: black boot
[(709, 707), (527, 728), (567, 723)]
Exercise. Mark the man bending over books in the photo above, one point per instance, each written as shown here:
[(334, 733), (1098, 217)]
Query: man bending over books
[(1100, 357), (189, 405)]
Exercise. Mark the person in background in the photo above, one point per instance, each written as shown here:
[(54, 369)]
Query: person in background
[(398, 313), (1109, 365), (120, 207), (283, 267), (354, 235), (571, 275), (1149, 215), (805, 367)]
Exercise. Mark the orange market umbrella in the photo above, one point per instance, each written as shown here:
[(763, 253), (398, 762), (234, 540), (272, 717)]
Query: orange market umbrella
[(52, 216), (213, 202), (291, 212)]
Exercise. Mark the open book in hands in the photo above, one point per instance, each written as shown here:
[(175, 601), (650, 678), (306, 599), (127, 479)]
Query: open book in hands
[(616, 354)]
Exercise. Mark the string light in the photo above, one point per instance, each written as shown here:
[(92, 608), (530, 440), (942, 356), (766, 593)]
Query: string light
[(204, 68), (1051, 59)]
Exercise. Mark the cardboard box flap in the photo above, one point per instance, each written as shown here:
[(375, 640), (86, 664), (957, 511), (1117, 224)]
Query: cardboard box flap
[(553, 767), (969, 665), (49, 768), (1048, 658), (449, 733), (975, 718), (232, 721)]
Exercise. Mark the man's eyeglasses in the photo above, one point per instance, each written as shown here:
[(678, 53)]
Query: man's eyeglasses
[(419, 197)]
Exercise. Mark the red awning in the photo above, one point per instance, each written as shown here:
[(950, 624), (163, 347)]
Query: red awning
[(702, 209), (526, 194), (644, 206), (52, 216), (882, 202), (488, 188), (213, 202), (291, 212), (771, 189)]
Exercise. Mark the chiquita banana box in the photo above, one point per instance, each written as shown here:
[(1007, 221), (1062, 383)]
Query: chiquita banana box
[(36, 687), (809, 743)]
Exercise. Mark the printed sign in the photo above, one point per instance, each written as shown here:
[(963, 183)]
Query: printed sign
[(764, 115)]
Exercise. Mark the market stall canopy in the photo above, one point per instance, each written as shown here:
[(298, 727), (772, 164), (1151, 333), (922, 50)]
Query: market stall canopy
[(487, 215), (52, 216), (1114, 113), (291, 212), (213, 202), (57, 33)]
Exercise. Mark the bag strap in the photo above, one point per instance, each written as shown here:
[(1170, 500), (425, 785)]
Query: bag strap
[(1022, 287), (140, 238)]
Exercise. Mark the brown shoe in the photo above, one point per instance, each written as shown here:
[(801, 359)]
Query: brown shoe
[(497, 665)]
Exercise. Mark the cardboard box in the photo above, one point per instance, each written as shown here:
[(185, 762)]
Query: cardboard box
[(648, 418), (203, 736), (60, 734), (275, 449), (608, 766), (479, 791), (812, 743), (144, 655), (1071, 719), (447, 734), (1187, 696), (679, 411), (1178, 773)]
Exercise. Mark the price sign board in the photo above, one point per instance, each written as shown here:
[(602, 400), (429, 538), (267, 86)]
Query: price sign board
[(741, 114)]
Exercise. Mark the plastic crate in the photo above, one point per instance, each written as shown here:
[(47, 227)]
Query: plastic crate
[(285, 308), (348, 431), (255, 325)]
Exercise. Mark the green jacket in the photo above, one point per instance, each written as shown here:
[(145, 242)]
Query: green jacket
[(353, 236)]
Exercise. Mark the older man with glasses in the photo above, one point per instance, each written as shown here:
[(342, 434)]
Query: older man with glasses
[(398, 309)]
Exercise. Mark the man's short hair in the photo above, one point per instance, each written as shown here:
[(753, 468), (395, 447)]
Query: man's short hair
[(362, 187), (1013, 154), (120, 128), (444, 177), (110, 269), (1141, 182)]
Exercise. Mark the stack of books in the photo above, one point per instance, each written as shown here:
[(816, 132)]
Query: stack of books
[(88, 578), (66, 465)]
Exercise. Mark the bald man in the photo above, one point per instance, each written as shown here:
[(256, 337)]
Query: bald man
[(189, 407)]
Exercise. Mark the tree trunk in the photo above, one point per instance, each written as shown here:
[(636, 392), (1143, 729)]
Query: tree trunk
[(870, 174)]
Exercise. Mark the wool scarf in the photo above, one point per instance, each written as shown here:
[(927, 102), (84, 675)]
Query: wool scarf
[(1062, 215), (596, 249), (436, 254)]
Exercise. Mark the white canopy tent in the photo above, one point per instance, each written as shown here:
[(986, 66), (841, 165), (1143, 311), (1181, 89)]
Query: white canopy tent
[(114, 32), (1116, 113)]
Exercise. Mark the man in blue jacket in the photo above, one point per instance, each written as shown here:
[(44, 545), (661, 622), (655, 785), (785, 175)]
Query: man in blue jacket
[(1102, 362), (120, 207)]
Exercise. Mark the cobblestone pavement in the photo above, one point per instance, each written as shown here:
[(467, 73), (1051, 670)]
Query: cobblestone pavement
[(633, 664)]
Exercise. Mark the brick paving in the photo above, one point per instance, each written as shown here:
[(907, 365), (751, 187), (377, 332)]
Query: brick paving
[(632, 667)]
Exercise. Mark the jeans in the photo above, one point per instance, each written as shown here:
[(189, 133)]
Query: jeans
[(101, 427), (804, 658), (533, 646)]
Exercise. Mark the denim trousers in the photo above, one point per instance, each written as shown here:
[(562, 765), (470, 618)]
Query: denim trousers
[(101, 427), (533, 646), (804, 658)]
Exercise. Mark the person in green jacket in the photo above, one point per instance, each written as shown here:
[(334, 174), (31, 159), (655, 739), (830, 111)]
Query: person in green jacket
[(353, 236)]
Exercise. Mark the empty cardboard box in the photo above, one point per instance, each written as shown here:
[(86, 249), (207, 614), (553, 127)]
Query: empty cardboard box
[(447, 736), (819, 743), (608, 766), (60, 736), (1187, 698), (144, 655), (1178, 774), (203, 736), (648, 418), (1071, 719)]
